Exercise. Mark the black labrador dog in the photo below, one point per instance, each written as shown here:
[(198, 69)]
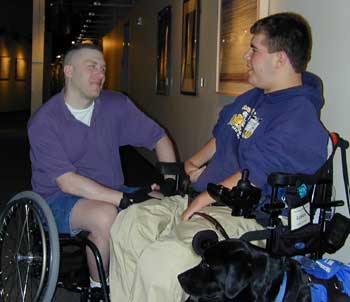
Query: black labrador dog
[(235, 270)]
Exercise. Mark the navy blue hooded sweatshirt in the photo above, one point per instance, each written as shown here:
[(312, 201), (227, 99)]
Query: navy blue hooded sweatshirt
[(269, 132)]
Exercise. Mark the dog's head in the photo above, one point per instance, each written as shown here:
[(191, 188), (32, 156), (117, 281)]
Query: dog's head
[(225, 271)]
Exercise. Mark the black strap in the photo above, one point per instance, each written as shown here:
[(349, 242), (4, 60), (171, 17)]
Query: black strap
[(256, 235), (343, 144)]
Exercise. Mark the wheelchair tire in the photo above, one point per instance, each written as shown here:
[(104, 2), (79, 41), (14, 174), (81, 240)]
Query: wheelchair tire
[(29, 250)]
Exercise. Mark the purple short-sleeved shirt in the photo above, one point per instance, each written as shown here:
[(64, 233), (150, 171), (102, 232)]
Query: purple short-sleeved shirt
[(59, 143)]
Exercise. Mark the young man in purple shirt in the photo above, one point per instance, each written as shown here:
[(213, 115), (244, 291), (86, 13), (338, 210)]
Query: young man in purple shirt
[(74, 140)]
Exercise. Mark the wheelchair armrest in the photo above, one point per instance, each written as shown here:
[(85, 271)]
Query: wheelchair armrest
[(273, 207), (328, 205), (286, 179), (171, 168), (182, 180)]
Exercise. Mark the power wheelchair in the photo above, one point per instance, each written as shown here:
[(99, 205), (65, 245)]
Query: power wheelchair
[(312, 227), (300, 216), (296, 244)]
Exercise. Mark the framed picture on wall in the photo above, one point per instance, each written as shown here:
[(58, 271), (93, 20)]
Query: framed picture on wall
[(190, 46), (235, 20), (163, 51), (5, 68), (21, 67)]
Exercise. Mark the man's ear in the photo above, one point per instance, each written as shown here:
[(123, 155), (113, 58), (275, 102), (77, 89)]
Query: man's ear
[(281, 58), (68, 71)]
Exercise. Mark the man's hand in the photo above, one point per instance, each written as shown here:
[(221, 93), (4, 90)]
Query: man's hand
[(134, 197), (204, 199), (200, 202), (193, 171)]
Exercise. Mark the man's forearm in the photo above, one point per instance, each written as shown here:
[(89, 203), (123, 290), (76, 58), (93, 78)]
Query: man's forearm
[(84, 187), (165, 152), (201, 157), (204, 199)]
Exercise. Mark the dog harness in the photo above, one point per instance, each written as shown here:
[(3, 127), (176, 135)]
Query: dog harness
[(323, 270)]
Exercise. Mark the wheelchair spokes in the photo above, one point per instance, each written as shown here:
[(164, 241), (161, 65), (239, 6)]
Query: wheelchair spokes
[(30, 251), (23, 253)]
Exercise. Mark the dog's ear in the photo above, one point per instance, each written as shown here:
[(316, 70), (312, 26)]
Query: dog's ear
[(203, 240), (238, 275)]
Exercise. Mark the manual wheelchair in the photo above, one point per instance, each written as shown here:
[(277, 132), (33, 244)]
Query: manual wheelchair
[(30, 252)]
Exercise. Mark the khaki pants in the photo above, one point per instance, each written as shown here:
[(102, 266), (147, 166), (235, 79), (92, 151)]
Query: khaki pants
[(150, 246)]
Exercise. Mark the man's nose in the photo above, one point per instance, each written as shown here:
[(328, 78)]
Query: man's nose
[(247, 55), (100, 73)]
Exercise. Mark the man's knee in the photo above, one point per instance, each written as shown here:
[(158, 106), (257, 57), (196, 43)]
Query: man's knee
[(103, 219)]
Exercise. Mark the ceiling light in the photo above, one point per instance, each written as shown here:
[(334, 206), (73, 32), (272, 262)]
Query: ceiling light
[(98, 3)]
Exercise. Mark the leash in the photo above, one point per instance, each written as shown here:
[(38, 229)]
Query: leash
[(214, 222)]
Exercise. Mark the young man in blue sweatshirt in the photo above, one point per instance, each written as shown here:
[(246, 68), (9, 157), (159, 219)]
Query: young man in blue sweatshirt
[(273, 127)]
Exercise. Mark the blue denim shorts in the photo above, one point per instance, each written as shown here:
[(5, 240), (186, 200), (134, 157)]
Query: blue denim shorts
[(61, 207)]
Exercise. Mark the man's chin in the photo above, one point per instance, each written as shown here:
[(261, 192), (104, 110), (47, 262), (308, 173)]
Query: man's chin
[(251, 81), (95, 94)]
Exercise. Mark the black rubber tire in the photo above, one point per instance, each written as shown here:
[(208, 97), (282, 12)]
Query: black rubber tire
[(44, 225)]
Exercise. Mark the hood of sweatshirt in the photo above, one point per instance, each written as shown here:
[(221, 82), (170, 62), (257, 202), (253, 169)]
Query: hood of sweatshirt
[(311, 89)]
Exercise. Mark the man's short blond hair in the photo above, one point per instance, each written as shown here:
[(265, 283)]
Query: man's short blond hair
[(69, 56)]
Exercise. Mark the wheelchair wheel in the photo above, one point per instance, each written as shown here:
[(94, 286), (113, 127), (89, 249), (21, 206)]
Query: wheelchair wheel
[(29, 250)]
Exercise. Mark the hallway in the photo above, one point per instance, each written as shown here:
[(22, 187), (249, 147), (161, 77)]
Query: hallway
[(14, 154)]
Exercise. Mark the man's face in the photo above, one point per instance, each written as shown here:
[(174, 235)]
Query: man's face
[(86, 73), (260, 63)]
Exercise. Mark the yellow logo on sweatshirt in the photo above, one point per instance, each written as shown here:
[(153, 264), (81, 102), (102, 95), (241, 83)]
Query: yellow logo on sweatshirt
[(245, 123)]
